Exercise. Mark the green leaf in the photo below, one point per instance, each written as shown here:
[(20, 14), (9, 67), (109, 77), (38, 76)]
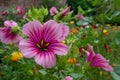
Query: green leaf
[(117, 69), (85, 21), (76, 76), (67, 17), (115, 76), (80, 10), (43, 72), (95, 2), (43, 11), (117, 2)]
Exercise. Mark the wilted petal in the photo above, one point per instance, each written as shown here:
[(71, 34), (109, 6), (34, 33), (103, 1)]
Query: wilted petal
[(33, 30), (28, 48), (46, 59), (51, 31), (59, 48)]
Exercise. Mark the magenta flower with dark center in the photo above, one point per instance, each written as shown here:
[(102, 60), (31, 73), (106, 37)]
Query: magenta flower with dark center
[(97, 60), (9, 34), (44, 42)]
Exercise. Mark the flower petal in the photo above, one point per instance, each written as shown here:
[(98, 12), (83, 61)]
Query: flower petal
[(51, 31), (33, 30), (46, 59), (65, 31), (59, 48), (28, 48), (107, 67), (91, 53), (100, 61)]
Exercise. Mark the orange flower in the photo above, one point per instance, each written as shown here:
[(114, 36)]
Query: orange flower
[(74, 30), (72, 60)]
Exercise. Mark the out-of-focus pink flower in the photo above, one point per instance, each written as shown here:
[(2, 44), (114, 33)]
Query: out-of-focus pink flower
[(19, 10), (53, 11), (44, 42), (78, 64), (97, 60), (10, 23), (25, 16), (80, 16), (68, 78), (7, 35), (4, 13), (65, 12)]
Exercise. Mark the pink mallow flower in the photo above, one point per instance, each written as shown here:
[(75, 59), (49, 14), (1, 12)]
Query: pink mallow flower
[(9, 34), (68, 78), (10, 23), (97, 60), (80, 16), (44, 42), (53, 11), (65, 12), (19, 10)]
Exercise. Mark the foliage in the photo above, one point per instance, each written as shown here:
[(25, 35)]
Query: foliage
[(105, 39)]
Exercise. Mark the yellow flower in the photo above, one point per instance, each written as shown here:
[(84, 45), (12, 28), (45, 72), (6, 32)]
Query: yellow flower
[(16, 56), (72, 22), (105, 32)]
